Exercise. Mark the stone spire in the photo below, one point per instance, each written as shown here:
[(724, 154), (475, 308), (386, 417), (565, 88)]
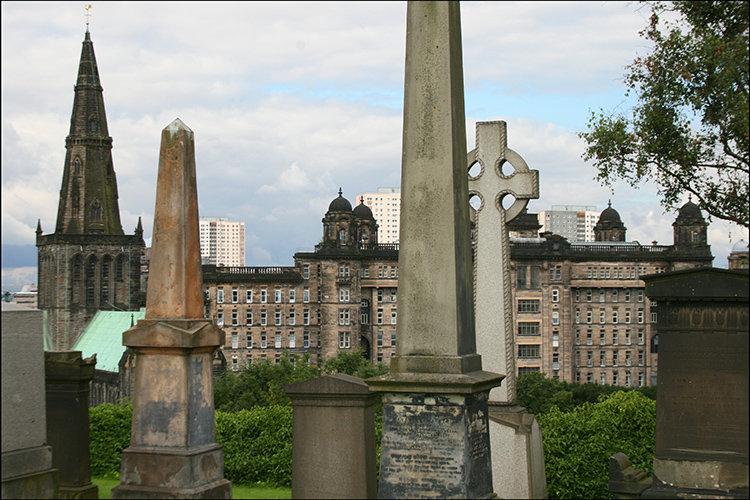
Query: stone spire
[(88, 197)]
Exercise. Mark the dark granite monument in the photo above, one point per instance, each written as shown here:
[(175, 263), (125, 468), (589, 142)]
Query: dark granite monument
[(67, 377), (702, 398)]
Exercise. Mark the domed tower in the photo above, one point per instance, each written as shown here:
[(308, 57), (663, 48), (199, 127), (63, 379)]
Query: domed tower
[(610, 226), (338, 227), (738, 258), (690, 227), (367, 227)]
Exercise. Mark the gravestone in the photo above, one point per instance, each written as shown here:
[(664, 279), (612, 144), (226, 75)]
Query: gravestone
[(26, 455), (435, 419), (333, 438), (702, 407), (515, 435), (173, 451), (67, 377)]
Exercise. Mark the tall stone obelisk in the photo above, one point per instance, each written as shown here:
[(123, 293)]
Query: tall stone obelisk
[(173, 451), (435, 425)]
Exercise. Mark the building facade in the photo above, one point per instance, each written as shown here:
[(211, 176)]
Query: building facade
[(222, 241), (581, 314), (386, 208), (341, 296), (88, 263)]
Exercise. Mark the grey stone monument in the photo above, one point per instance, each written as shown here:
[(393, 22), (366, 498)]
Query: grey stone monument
[(702, 410), (515, 435), (67, 377), (435, 418), (173, 451), (26, 455), (333, 438)]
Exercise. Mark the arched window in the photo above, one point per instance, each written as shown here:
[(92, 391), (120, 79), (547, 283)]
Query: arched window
[(96, 211), (342, 235), (106, 265), (655, 344), (93, 125), (91, 281), (119, 268), (77, 166)]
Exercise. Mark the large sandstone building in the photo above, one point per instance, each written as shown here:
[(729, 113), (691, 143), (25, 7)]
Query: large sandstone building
[(88, 263), (581, 313)]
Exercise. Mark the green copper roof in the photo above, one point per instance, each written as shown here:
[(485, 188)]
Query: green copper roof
[(103, 337)]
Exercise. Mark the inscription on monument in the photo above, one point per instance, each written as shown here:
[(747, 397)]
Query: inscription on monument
[(705, 404)]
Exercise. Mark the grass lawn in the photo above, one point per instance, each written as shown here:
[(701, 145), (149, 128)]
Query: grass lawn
[(238, 491)]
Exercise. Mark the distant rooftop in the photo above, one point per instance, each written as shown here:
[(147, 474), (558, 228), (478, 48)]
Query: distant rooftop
[(103, 337)]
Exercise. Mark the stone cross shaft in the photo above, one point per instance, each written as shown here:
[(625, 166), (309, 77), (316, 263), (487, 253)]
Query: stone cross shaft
[(492, 287)]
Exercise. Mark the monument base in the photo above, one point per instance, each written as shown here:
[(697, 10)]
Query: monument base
[(698, 479), (435, 435), (517, 452), (84, 491), (28, 473), (151, 472)]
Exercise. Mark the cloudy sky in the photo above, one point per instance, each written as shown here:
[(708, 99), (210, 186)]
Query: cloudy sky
[(290, 101)]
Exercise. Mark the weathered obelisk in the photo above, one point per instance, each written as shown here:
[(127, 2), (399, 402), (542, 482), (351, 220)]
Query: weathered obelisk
[(173, 451), (435, 425)]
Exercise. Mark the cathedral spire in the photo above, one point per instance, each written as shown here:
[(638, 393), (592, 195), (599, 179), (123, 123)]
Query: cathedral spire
[(88, 197)]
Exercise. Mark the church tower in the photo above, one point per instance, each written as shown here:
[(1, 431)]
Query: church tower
[(88, 263), (610, 226)]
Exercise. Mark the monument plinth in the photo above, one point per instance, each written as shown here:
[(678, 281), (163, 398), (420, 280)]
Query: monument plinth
[(435, 419), (173, 451)]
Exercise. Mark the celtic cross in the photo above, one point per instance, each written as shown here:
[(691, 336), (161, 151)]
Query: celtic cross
[(492, 285)]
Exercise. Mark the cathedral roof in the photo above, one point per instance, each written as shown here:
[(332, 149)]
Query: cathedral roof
[(363, 211), (340, 204)]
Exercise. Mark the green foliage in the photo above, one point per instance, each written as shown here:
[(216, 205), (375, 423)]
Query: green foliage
[(354, 363), (109, 433), (262, 384), (578, 444), (689, 130), (539, 394), (257, 445)]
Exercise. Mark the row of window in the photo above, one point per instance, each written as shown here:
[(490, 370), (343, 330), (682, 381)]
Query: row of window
[(345, 271), (627, 318), (615, 295), (278, 295), (615, 337), (292, 318), (279, 342), (615, 358), (615, 272), (616, 380)]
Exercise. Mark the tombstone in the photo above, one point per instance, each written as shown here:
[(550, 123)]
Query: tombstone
[(67, 377), (26, 455), (625, 482), (173, 451), (702, 407), (333, 438), (515, 435), (435, 425)]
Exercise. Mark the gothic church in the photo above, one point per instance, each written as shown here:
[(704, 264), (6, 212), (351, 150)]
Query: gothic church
[(88, 263)]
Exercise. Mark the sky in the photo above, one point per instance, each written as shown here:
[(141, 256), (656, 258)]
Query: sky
[(291, 101)]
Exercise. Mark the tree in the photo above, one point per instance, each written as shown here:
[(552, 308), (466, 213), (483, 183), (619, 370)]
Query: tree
[(689, 130)]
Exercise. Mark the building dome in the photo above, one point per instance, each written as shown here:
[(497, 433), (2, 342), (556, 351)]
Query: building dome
[(363, 211), (609, 214), (340, 204), (740, 247)]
